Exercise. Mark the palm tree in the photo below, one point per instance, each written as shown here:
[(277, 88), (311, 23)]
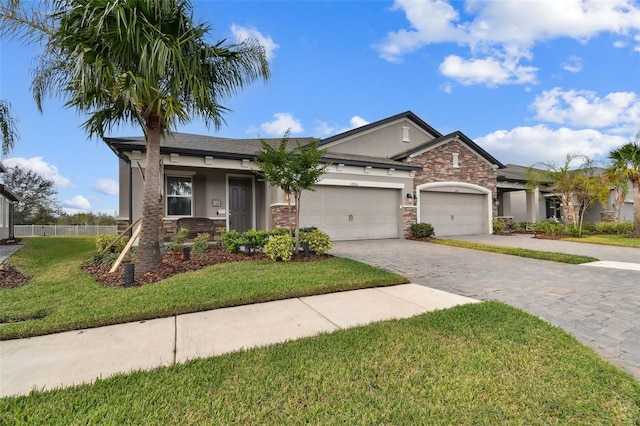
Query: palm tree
[(7, 127), (625, 163), (144, 62)]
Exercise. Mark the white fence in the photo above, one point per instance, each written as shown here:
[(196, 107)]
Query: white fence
[(62, 230)]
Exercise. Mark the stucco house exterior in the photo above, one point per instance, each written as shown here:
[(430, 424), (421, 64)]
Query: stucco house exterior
[(381, 178), (7, 198), (520, 204)]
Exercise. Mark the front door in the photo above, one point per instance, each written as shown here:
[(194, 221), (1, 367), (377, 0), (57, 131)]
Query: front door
[(240, 208)]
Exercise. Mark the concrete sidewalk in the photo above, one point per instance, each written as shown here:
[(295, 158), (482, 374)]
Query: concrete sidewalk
[(6, 250), (75, 357)]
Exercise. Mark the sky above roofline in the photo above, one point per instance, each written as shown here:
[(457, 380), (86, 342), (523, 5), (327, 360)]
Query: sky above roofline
[(528, 81)]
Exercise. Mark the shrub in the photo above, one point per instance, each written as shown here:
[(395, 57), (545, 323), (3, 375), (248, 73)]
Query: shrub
[(499, 225), (279, 247), (103, 241), (319, 242), (421, 230), (549, 228), (200, 245), (232, 241), (522, 226), (177, 240), (257, 239), (613, 228)]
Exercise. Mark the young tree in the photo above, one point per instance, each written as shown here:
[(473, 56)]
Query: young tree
[(588, 188), (625, 164), (144, 62), (293, 171), (562, 180), (36, 197)]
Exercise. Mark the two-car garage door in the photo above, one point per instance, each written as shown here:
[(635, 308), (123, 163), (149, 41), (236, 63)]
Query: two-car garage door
[(454, 213), (352, 213)]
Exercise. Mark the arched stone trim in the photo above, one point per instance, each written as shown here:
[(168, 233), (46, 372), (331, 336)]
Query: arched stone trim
[(478, 188)]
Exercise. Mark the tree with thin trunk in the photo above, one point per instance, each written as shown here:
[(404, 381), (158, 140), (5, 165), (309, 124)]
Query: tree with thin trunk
[(143, 62), (293, 170), (561, 179), (625, 164), (37, 203)]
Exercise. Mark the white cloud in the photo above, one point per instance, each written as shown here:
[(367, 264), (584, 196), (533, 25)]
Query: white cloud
[(355, 122), (107, 186), (529, 145), (243, 33), (431, 22), (38, 165), (572, 64), (323, 129), (580, 108), (500, 34), (77, 203), (489, 71), (283, 122)]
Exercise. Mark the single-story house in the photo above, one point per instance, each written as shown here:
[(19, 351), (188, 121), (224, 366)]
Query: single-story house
[(7, 198), (520, 204), (381, 178)]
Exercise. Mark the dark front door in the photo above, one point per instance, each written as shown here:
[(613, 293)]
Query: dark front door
[(240, 209)]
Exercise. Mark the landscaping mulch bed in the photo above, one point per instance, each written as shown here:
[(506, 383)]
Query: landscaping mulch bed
[(173, 264), (10, 277)]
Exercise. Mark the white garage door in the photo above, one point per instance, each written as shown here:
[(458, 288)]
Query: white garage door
[(352, 213), (454, 213)]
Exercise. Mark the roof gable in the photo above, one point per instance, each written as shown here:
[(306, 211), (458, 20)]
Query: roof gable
[(383, 138), (455, 136)]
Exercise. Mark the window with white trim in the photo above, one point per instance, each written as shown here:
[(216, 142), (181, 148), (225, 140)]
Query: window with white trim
[(179, 193)]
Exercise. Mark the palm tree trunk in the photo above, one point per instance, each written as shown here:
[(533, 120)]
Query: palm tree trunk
[(148, 253), (636, 208)]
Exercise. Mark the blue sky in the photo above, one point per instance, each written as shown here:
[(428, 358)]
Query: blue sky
[(528, 80)]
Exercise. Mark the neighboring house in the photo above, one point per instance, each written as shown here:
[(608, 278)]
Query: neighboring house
[(520, 204), (7, 198), (382, 178)]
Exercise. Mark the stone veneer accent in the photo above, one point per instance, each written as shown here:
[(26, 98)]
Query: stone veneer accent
[(409, 217), (437, 166), (280, 215)]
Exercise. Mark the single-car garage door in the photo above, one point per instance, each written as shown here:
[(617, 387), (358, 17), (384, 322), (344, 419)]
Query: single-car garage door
[(454, 213), (352, 213)]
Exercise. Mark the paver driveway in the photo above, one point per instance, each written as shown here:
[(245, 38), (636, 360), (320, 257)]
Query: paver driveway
[(599, 306)]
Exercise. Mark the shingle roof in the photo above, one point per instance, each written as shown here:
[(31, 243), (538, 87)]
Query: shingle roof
[(201, 145)]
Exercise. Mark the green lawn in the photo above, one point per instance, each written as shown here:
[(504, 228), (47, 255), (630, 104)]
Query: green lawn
[(610, 240), (522, 252), (484, 363), (61, 296)]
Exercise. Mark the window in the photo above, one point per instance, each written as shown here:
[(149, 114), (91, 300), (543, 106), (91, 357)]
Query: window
[(553, 207), (179, 195)]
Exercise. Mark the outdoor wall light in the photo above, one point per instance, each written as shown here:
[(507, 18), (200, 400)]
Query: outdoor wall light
[(409, 196)]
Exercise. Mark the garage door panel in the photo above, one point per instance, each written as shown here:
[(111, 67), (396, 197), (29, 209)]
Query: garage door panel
[(351, 213), (453, 213)]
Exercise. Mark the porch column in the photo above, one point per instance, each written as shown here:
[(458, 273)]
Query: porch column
[(533, 204)]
